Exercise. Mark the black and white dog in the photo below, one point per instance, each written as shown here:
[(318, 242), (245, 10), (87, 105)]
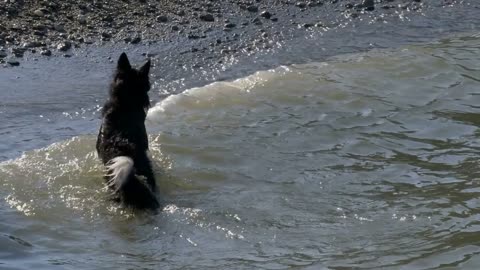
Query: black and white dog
[(122, 141)]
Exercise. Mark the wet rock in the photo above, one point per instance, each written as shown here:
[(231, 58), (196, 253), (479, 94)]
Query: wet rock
[(39, 13), (207, 17), (308, 25), (64, 46), (368, 5), (46, 52), (301, 4), (39, 27), (265, 14), (230, 25), (18, 52), (252, 8), (82, 19), (59, 27), (136, 40), (193, 36), (162, 19), (3, 54), (39, 33), (106, 35), (13, 63), (31, 44), (175, 28), (108, 18)]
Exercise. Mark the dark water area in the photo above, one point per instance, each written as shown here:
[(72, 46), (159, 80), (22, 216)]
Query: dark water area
[(353, 147)]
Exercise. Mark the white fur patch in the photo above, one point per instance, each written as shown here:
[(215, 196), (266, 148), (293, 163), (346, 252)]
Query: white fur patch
[(120, 168)]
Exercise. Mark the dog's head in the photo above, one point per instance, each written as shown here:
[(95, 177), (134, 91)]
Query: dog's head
[(130, 86)]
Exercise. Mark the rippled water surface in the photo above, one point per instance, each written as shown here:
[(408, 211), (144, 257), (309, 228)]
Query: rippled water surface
[(360, 158), (362, 161)]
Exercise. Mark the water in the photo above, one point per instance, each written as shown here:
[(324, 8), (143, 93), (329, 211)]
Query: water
[(365, 161)]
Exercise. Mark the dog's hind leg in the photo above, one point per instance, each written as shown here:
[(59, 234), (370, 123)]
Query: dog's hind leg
[(143, 167)]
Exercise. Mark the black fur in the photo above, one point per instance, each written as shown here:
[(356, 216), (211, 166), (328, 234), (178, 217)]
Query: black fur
[(123, 133)]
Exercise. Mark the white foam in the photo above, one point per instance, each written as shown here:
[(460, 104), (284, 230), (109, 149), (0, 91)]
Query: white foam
[(242, 86)]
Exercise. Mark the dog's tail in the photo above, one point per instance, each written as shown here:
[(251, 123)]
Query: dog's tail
[(122, 179)]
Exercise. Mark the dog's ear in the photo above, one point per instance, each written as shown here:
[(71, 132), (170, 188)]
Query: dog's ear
[(145, 69), (123, 63)]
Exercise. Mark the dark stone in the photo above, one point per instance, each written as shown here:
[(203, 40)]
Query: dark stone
[(31, 44), (230, 25), (265, 14), (193, 36), (39, 33), (368, 5), (252, 8), (46, 52), (136, 40), (207, 17), (162, 18), (301, 4), (64, 46), (13, 63), (106, 35)]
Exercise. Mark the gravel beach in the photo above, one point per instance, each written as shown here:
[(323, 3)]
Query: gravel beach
[(210, 27)]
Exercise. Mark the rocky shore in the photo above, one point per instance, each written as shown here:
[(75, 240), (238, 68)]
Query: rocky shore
[(56, 28)]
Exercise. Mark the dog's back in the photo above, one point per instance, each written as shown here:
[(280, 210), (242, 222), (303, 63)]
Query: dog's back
[(122, 140)]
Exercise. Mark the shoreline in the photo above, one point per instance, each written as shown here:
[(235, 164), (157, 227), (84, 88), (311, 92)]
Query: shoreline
[(209, 29)]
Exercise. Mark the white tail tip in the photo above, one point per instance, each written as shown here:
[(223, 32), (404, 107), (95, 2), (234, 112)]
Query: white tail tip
[(119, 169)]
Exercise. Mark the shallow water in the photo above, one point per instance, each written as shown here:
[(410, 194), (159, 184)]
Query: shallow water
[(366, 160)]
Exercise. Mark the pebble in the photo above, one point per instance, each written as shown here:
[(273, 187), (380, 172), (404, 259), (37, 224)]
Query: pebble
[(59, 27), (265, 14), (18, 52), (64, 46), (13, 63), (207, 17), (162, 18), (301, 4), (252, 8), (46, 52), (136, 40), (82, 19), (31, 44), (38, 13), (106, 35), (368, 5)]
